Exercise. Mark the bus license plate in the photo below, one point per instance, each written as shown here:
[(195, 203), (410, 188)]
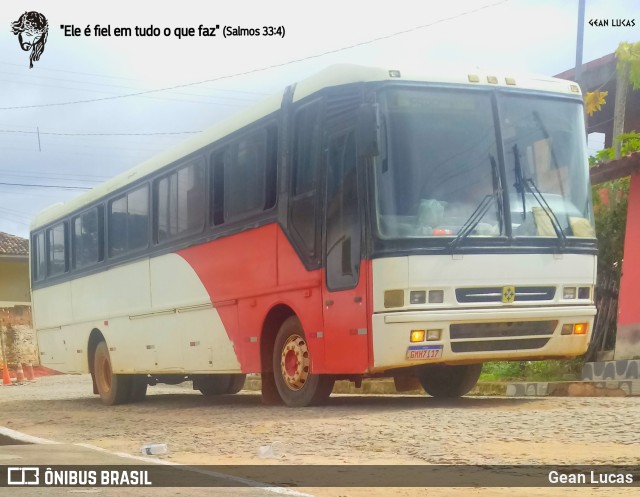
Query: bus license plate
[(424, 352)]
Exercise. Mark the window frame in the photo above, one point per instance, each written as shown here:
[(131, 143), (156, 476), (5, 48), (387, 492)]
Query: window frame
[(110, 201), (196, 162)]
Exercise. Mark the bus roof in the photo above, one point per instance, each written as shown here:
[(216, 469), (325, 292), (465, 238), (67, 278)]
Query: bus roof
[(335, 75)]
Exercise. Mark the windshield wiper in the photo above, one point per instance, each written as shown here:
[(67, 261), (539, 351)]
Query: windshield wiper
[(523, 183), (474, 219), (519, 185), (557, 227)]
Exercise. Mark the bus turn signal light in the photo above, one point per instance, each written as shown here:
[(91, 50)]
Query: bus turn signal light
[(576, 329), (580, 328), (417, 335)]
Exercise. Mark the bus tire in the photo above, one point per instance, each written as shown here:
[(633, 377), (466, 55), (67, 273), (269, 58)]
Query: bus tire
[(297, 386), (445, 381), (215, 384), (236, 383), (220, 384), (139, 385), (113, 388)]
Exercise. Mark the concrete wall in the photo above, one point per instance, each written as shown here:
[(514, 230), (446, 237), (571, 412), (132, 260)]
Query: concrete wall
[(14, 282)]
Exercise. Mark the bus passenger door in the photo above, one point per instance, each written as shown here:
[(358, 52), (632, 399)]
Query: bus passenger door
[(344, 285)]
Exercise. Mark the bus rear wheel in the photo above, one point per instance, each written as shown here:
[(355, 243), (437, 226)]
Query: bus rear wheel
[(220, 384), (297, 386), (139, 383), (113, 388), (445, 381)]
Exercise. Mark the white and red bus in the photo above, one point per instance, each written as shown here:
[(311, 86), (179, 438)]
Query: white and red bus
[(365, 222)]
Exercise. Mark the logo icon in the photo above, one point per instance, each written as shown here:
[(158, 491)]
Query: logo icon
[(23, 475), (32, 29), (508, 294)]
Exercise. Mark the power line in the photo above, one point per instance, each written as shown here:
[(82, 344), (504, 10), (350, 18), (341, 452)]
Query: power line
[(96, 75), (228, 104), (75, 81), (265, 68), (98, 134), (32, 185)]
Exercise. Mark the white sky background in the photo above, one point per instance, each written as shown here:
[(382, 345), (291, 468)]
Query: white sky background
[(519, 35)]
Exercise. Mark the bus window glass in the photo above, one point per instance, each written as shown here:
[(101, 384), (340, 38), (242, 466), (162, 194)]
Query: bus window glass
[(138, 218), (129, 222), (245, 180), (306, 150), (57, 263), (217, 186), (305, 166), (180, 202), (442, 162), (343, 223), (86, 239), (39, 259), (544, 146)]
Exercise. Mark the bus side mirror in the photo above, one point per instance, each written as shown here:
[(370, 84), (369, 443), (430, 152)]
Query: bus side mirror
[(367, 132)]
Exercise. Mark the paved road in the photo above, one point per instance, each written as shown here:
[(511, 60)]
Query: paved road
[(349, 430)]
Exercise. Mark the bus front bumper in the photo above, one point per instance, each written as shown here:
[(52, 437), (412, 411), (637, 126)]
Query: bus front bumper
[(480, 335)]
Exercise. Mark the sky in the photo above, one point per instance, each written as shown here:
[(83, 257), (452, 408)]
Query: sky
[(70, 122)]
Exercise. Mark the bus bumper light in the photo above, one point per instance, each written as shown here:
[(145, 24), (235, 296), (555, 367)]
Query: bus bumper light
[(417, 335), (575, 329), (580, 329), (433, 335)]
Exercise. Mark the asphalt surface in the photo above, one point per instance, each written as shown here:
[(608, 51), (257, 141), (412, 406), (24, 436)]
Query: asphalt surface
[(19, 454)]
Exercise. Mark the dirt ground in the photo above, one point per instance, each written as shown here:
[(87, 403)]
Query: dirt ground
[(349, 430)]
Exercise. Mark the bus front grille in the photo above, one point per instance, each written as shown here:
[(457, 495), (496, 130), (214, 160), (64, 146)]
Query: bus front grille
[(494, 294), (511, 335), (500, 330), (495, 345)]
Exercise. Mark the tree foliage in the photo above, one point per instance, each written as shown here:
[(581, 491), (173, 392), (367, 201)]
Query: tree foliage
[(626, 53), (629, 53)]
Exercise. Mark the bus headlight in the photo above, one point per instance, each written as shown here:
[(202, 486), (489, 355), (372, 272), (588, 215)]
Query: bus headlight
[(433, 335), (569, 292)]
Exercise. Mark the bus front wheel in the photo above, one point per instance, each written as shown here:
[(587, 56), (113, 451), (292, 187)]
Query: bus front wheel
[(445, 381), (113, 388), (297, 386)]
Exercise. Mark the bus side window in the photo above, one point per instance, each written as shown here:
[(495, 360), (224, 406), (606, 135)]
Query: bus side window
[(304, 176), (180, 202), (244, 182), (343, 223), (56, 249), (39, 259), (86, 238), (217, 186), (129, 222)]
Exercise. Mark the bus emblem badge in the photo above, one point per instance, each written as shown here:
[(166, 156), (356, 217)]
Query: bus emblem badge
[(508, 294)]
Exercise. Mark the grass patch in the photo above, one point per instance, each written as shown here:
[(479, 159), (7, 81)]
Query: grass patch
[(532, 370)]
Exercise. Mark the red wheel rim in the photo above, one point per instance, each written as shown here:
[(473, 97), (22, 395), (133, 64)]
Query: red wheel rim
[(294, 362)]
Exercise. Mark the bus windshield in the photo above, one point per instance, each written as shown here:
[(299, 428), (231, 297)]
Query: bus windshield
[(439, 174)]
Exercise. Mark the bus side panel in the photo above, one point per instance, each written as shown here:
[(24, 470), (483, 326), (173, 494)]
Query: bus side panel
[(234, 268), (249, 273), (305, 299), (346, 327), (203, 344)]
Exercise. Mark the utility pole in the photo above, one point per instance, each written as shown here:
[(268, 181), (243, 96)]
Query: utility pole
[(578, 70), (580, 41)]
